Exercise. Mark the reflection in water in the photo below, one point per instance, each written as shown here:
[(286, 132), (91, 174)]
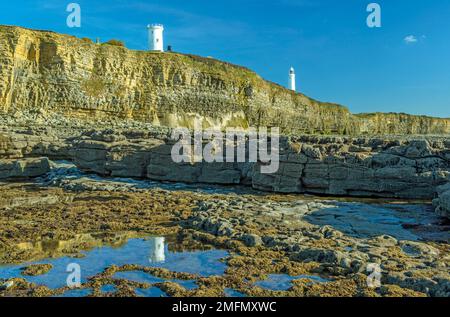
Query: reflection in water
[(55, 248), (157, 254), (134, 251)]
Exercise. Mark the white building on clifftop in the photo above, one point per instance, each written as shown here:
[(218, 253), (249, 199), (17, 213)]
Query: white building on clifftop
[(292, 85), (155, 37)]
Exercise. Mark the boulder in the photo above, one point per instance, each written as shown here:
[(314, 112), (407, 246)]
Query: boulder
[(24, 168), (318, 255), (252, 240)]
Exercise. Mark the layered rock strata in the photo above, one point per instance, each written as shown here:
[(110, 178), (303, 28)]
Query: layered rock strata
[(49, 73), (375, 167)]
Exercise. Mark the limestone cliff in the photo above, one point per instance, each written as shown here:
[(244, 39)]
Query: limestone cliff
[(49, 72)]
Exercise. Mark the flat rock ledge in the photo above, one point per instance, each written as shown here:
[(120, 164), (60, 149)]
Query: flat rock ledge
[(24, 168), (385, 167)]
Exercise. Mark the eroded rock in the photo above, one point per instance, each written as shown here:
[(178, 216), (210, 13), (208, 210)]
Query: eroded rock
[(24, 168)]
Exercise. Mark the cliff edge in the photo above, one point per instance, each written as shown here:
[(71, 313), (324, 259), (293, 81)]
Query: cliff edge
[(49, 72)]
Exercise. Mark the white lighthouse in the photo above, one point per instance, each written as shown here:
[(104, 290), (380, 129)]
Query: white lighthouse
[(155, 37), (292, 79)]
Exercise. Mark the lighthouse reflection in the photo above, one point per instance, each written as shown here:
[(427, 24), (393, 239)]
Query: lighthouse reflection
[(157, 250)]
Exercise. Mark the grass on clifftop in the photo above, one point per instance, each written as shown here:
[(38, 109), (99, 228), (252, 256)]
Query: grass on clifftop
[(115, 43)]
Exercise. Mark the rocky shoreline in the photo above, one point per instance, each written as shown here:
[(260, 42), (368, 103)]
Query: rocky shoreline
[(386, 167), (278, 231), (264, 234), (87, 178)]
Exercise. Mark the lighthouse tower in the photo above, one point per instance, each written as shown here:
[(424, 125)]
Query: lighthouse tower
[(292, 79), (155, 37)]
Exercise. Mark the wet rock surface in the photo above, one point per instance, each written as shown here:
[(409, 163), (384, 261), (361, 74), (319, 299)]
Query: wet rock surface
[(117, 184), (36, 269), (337, 251), (265, 235)]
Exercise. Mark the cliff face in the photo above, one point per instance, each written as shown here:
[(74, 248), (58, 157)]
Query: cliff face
[(401, 123), (49, 72)]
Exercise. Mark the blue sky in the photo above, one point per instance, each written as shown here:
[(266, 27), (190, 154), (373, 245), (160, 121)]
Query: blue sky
[(336, 56)]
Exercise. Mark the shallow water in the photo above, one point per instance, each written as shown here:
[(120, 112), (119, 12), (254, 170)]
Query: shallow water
[(282, 282), (151, 252), (229, 292), (150, 292), (370, 220), (148, 252), (65, 172), (355, 218), (108, 288)]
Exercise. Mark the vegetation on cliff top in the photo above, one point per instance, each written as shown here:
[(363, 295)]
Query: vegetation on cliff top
[(115, 43)]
